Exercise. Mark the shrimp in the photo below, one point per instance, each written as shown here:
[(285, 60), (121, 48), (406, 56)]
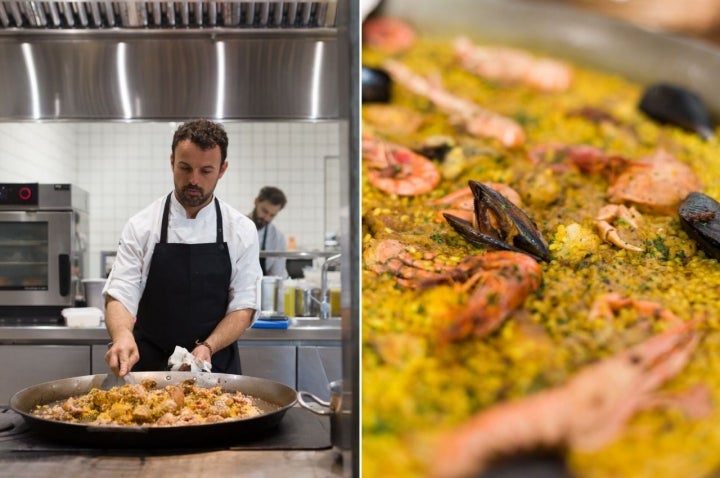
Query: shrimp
[(387, 34), (606, 306), (476, 119), (655, 185), (397, 170), (510, 65), (500, 281), (407, 264), (608, 233), (584, 414)]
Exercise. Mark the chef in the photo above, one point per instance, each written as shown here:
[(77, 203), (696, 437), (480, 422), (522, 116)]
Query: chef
[(186, 268), (268, 203)]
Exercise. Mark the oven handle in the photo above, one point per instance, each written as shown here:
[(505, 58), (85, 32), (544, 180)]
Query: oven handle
[(64, 273)]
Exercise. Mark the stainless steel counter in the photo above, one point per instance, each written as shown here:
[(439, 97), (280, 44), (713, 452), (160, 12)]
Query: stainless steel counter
[(309, 331)]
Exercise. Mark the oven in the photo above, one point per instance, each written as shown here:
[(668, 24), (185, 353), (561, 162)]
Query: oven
[(43, 249)]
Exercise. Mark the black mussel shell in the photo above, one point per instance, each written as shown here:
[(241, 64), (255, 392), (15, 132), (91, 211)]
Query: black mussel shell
[(700, 218), (678, 106), (510, 229), (436, 147), (376, 85)]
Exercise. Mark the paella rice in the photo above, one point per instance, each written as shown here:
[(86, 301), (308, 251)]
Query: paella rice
[(415, 388), (144, 404)]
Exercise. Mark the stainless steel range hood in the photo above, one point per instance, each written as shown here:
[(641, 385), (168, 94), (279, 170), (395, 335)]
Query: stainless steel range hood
[(77, 14), (128, 60)]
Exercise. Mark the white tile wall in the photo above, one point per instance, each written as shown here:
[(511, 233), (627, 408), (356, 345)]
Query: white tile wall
[(124, 166)]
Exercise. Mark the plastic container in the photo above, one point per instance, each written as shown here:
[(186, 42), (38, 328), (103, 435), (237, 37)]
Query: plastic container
[(270, 293), (289, 297), (81, 317), (93, 293)]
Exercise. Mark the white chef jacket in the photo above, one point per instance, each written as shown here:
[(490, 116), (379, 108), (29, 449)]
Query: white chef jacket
[(275, 241), (129, 273)]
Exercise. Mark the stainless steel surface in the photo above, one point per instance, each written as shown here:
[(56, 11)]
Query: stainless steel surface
[(350, 235), (303, 300), (315, 323), (323, 302), (309, 332), (157, 75), (274, 400), (111, 380), (339, 418), (563, 31), (298, 254), (43, 245), (131, 14)]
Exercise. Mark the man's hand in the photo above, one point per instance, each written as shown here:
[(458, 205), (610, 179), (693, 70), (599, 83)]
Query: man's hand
[(122, 355)]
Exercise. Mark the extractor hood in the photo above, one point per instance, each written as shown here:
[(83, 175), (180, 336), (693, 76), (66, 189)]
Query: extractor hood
[(103, 15), (140, 60)]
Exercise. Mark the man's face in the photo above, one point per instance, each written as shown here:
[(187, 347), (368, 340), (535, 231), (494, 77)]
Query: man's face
[(195, 173), (264, 212)]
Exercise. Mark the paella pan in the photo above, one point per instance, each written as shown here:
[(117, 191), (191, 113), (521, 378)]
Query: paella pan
[(272, 400), (539, 242)]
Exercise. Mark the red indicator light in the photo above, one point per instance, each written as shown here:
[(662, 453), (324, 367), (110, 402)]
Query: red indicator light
[(25, 193)]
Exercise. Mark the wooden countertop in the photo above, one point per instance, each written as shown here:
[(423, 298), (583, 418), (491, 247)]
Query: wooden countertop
[(225, 463)]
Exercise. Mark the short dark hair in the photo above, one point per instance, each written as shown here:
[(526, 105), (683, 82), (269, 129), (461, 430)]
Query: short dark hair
[(273, 195), (205, 134)]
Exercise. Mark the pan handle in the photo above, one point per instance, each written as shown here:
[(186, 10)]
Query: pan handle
[(313, 398)]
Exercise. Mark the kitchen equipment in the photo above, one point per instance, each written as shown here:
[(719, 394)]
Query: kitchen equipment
[(82, 316), (303, 299), (273, 398), (271, 323), (43, 246), (270, 295), (339, 418), (111, 380), (93, 292), (289, 297)]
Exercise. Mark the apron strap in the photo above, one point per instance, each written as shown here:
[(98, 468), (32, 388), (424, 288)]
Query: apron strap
[(262, 248), (218, 217), (165, 219)]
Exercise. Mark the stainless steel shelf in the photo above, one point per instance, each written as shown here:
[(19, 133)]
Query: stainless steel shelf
[(298, 254)]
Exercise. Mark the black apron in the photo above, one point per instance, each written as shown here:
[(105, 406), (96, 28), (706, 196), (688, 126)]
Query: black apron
[(185, 297), (262, 248)]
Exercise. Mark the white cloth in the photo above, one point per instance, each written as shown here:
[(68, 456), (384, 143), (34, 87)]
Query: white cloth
[(182, 360), (129, 273), (275, 241)]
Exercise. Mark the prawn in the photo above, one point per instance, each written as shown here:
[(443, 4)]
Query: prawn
[(395, 169), (511, 65), (388, 34), (585, 413), (498, 282), (476, 119)]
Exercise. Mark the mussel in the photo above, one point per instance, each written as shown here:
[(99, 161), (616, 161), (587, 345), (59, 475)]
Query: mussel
[(500, 224), (676, 105), (700, 218), (376, 85)]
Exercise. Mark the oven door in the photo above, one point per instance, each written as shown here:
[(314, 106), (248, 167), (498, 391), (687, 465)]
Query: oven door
[(35, 258)]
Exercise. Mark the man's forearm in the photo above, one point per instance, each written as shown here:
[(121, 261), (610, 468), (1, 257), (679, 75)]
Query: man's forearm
[(118, 319), (230, 328)]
